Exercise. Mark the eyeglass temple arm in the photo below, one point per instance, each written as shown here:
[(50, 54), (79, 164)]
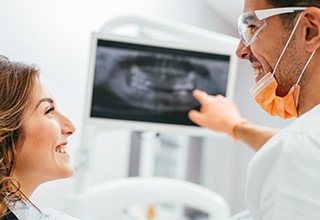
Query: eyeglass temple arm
[(262, 14)]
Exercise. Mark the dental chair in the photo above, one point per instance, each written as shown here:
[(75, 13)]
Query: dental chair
[(154, 197)]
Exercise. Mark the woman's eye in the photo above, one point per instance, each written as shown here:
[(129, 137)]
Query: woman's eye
[(50, 110)]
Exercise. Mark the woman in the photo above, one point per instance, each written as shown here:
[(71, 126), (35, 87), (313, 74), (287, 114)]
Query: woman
[(33, 141)]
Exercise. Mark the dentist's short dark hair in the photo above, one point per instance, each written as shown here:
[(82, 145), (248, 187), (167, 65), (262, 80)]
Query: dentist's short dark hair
[(288, 18)]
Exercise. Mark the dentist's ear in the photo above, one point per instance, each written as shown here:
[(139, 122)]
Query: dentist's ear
[(311, 28)]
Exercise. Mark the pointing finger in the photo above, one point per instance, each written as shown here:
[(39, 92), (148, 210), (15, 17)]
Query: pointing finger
[(200, 95)]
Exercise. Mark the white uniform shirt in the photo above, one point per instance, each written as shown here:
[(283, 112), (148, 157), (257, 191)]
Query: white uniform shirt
[(284, 176)]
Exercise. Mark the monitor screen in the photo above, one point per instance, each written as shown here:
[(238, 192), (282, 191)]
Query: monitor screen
[(147, 84)]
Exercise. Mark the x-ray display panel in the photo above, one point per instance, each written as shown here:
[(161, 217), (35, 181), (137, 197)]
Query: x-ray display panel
[(153, 84)]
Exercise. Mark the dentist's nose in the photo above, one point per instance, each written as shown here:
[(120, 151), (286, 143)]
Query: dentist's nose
[(243, 52)]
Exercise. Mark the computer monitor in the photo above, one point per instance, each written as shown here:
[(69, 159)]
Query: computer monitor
[(146, 85)]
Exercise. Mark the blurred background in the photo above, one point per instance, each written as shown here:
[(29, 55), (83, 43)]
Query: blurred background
[(56, 35)]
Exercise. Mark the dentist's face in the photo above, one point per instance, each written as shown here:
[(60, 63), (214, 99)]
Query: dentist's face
[(264, 51), (42, 155)]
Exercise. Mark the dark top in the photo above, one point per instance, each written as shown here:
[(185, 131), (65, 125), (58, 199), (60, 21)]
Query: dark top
[(10, 216)]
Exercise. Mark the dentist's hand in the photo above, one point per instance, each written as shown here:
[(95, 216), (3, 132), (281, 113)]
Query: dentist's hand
[(216, 113)]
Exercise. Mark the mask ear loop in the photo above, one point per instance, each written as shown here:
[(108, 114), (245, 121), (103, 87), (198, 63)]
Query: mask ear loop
[(285, 47), (305, 66)]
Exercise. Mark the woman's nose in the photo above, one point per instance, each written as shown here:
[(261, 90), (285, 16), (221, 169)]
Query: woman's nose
[(243, 52), (67, 127)]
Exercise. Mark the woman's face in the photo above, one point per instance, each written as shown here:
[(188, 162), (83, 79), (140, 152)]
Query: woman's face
[(42, 156)]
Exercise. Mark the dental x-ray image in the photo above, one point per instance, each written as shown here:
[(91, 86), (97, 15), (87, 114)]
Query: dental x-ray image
[(151, 83)]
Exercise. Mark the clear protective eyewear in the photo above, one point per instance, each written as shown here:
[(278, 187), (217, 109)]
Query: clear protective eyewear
[(252, 22)]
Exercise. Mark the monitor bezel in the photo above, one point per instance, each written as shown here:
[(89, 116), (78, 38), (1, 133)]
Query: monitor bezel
[(108, 123)]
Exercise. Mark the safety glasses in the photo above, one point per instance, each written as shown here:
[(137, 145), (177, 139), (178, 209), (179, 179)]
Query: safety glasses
[(252, 22)]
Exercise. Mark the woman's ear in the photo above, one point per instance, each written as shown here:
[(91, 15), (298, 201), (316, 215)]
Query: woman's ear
[(311, 29)]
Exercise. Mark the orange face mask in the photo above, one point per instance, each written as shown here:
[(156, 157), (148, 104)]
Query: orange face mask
[(264, 91)]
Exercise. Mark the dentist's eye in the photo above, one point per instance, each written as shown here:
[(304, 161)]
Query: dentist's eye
[(251, 26), (251, 29)]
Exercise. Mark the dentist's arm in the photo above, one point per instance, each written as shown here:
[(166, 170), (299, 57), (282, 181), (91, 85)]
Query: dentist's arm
[(221, 114), (253, 135)]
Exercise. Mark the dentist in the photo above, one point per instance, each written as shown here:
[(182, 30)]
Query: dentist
[(281, 39)]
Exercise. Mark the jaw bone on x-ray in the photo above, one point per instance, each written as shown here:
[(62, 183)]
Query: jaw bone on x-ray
[(151, 85)]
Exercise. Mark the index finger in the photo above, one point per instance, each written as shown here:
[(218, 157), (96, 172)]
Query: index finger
[(201, 96)]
